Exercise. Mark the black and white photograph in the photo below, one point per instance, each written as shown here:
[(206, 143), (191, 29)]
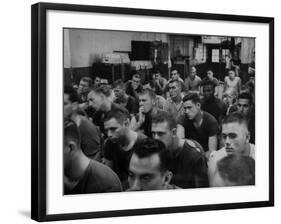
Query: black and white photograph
[(157, 111), (141, 112)]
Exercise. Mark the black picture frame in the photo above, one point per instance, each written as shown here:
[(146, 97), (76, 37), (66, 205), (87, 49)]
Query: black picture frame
[(39, 114)]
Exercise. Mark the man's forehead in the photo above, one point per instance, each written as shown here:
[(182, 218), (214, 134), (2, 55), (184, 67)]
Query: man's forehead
[(112, 123), (160, 126), (243, 101), (233, 127), (145, 165), (188, 103)]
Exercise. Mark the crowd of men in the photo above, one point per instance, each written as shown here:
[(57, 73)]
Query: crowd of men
[(161, 134)]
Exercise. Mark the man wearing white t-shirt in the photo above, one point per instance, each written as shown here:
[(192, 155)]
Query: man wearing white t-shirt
[(235, 136)]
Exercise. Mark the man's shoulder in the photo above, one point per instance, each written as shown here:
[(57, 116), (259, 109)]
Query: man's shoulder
[(217, 155), (103, 175), (192, 149), (207, 117)]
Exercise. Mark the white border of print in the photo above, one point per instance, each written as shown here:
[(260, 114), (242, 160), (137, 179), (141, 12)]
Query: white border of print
[(59, 204)]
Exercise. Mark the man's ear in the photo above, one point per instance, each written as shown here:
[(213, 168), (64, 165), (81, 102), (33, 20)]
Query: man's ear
[(174, 132), (168, 177)]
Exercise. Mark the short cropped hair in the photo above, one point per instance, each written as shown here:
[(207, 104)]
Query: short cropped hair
[(72, 94), (194, 97), (238, 169), (71, 132), (119, 82), (149, 92), (208, 83), (104, 89), (88, 80), (236, 117), (120, 114), (148, 147), (247, 96), (163, 116)]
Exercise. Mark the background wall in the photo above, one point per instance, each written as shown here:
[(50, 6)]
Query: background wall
[(15, 111)]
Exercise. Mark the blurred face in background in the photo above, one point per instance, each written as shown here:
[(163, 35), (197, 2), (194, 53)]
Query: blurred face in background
[(210, 75), (174, 75), (208, 92), (119, 91), (243, 106), (96, 100), (146, 103), (83, 87), (231, 74), (192, 72), (136, 82), (174, 90)]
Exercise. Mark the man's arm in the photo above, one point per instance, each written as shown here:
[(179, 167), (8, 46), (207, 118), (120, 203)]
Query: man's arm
[(212, 145), (180, 131)]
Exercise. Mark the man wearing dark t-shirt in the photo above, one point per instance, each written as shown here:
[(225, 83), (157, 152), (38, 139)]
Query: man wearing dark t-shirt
[(187, 161), (117, 148), (212, 104), (197, 124), (81, 174)]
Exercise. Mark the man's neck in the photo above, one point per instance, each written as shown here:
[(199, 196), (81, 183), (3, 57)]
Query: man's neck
[(247, 150), (177, 99), (129, 140), (78, 166), (198, 119)]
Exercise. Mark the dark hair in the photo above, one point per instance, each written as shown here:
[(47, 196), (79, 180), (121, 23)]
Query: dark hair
[(178, 83), (247, 96), (72, 94), (149, 146), (194, 97), (163, 116), (104, 89), (149, 92), (208, 83), (71, 132), (238, 169), (88, 80), (236, 117), (136, 75), (119, 82), (120, 114)]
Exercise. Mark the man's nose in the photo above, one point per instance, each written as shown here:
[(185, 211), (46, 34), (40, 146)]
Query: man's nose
[(136, 186)]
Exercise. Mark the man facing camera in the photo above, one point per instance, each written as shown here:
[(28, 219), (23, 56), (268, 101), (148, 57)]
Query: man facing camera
[(81, 174), (148, 167), (235, 137)]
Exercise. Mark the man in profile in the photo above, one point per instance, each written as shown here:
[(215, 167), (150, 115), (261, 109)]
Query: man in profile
[(148, 167), (90, 137), (188, 163), (81, 174)]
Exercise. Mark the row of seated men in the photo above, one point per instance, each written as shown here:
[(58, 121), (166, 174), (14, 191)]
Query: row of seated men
[(156, 148)]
